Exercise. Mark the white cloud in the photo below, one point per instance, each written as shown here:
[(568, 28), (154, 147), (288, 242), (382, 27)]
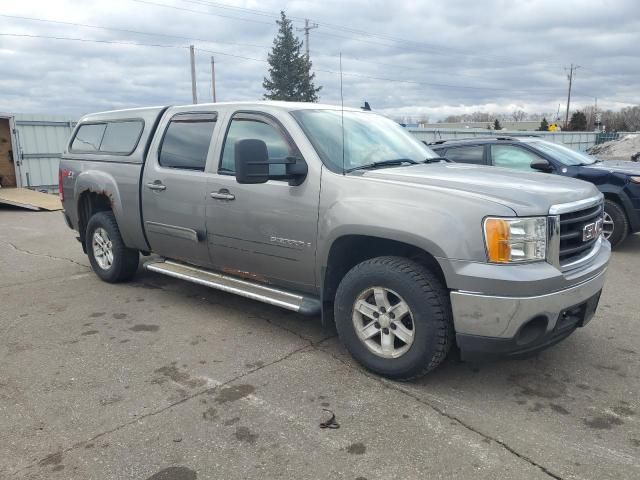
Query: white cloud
[(424, 58)]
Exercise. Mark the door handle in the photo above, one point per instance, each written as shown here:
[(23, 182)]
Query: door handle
[(157, 185), (222, 194)]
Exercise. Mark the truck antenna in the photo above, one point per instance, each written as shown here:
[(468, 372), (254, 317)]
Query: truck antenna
[(342, 113)]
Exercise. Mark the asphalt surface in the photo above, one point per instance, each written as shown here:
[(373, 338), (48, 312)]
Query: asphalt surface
[(164, 380)]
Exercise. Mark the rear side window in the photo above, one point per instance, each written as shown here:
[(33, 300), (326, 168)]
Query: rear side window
[(89, 137), (121, 137), (186, 141), (118, 138), (471, 154)]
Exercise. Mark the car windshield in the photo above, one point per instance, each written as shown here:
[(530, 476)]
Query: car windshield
[(368, 139), (564, 154)]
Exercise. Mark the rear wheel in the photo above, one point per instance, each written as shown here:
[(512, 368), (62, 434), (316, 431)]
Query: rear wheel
[(615, 226), (394, 317), (110, 259)]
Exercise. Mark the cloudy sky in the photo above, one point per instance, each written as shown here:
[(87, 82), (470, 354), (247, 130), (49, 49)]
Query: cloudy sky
[(413, 58)]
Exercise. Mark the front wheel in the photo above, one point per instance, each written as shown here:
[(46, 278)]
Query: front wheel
[(110, 259), (615, 226), (394, 317)]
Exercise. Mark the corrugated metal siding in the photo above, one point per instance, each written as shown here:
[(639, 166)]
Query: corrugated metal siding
[(42, 140), (576, 140)]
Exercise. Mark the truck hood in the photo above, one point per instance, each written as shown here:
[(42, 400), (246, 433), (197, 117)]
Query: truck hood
[(525, 193), (617, 166)]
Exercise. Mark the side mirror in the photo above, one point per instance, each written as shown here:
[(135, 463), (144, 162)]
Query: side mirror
[(252, 164), (252, 161), (541, 165)]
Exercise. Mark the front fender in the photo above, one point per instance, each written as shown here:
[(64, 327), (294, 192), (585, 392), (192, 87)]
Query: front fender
[(436, 228)]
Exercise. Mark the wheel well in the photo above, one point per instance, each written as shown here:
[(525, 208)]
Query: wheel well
[(616, 198), (346, 252), (89, 204), (613, 197)]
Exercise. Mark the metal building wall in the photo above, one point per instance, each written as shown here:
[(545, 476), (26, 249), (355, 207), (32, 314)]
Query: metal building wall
[(42, 139), (576, 140)]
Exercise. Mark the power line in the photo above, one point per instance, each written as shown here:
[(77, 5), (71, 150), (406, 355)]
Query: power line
[(126, 30), (201, 12), (333, 72), (88, 40), (434, 48), (190, 39), (202, 40)]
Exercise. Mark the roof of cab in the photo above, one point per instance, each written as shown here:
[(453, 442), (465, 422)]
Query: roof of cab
[(481, 140), (154, 111)]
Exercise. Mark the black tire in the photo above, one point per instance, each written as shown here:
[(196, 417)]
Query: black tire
[(125, 260), (430, 307), (620, 222)]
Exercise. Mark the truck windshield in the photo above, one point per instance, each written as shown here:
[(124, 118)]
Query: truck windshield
[(563, 154), (368, 139)]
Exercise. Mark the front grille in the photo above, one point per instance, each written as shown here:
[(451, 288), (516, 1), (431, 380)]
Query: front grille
[(572, 245)]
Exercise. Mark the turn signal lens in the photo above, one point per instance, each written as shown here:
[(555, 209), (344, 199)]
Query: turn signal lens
[(513, 240), (496, 232)]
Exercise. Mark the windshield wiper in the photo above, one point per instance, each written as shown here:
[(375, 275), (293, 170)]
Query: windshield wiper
[(435, 160), (383, 163)]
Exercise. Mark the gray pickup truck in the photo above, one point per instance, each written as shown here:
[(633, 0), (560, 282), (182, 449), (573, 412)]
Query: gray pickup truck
[(343, 214)]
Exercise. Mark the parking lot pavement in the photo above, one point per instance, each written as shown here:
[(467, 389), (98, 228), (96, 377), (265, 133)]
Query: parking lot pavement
[(165, 380)]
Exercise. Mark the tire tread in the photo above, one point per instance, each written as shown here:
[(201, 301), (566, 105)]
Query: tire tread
[(130, 257), (435, 294)]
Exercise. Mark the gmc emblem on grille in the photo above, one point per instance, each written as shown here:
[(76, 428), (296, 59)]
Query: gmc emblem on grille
[(591, 230)]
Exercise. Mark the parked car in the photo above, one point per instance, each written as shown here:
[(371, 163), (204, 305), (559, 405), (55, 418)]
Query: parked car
[(343, 214), (619, 181)]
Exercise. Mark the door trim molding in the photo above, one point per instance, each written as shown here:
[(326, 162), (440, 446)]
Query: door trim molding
[(173, 231)]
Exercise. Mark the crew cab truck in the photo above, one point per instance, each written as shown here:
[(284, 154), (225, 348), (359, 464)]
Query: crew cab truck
[(339, 213)]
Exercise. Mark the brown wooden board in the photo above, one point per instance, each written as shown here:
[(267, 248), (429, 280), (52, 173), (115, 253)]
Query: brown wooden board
[(25, 198)]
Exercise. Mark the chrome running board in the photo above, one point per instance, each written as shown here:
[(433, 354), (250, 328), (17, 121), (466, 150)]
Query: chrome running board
[(297, 302)]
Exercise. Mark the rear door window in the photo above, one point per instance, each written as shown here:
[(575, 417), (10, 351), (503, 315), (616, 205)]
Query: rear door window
[(88, 137), (469, 154), (186, 141), (121, 137)]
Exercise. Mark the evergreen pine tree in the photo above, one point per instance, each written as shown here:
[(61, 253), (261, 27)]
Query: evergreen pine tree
[(578, 122), (290, 76), (544, 125), (496, 125)]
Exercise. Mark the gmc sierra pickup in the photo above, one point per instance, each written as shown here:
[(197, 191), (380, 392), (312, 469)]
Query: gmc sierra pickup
[(343, 214)]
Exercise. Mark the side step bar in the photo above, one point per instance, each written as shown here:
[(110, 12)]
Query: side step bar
[(297, 302)]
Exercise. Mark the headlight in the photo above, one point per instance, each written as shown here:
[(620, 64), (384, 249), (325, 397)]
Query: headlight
[(635, 179), (514, 240)]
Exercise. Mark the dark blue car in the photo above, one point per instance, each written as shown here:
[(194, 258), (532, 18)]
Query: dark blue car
[(619, 181)]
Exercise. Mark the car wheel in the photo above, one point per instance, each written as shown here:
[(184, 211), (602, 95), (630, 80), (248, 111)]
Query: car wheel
[(615, 227), (110, 259), (394, 317)]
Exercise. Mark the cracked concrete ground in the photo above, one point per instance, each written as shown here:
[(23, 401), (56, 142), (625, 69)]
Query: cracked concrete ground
[(164, 380)]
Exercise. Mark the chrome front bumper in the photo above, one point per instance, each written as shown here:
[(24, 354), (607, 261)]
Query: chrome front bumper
[(502, 317)]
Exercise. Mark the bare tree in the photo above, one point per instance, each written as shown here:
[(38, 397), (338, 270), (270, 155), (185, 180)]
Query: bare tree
[(519, 115), (631, 118), (480, 117)]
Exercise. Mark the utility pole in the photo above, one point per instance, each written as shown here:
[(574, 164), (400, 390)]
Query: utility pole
[(213, 79), (306, 29), (570, 75), (194, 91)]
